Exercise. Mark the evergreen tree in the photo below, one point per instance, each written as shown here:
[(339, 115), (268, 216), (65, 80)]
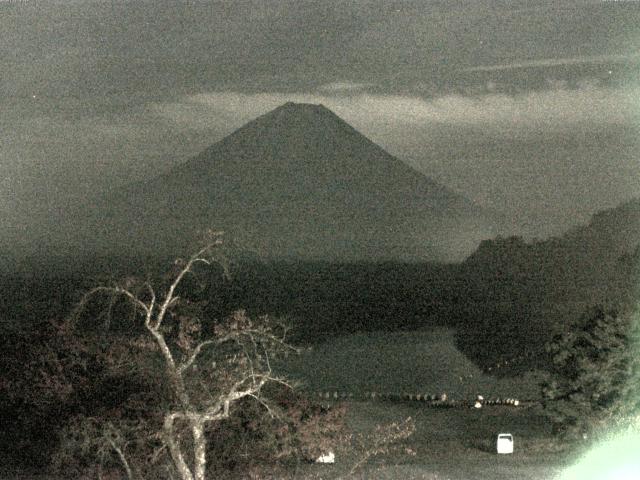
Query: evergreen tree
[(594, 382)]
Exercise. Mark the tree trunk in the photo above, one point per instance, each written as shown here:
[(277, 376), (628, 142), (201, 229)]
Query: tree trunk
[(200, 449), (175, 451)]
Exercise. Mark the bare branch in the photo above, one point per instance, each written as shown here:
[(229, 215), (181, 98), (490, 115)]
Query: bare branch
[(133, 298), (182, 368), (122, 457), (234, 336), (152, 304), (108, 312), (220, 410), (264, 404), (117, 290), (264, 334), (266, 357), (169, 297)]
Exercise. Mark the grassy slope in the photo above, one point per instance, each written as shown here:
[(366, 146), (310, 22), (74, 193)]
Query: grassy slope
[(456, 444), (449, 443)]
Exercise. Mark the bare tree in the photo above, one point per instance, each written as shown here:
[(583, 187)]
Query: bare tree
[(205, 374)]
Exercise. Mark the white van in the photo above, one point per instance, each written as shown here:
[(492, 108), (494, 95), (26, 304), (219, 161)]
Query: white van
[(505, 443)]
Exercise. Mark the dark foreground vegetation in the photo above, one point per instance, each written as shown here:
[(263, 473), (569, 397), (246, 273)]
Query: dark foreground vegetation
[(563, 305)]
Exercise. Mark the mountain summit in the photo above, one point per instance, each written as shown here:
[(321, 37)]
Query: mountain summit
[(297, 182)]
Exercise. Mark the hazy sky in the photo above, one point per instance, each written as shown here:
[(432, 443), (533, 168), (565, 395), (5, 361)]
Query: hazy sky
[(531, 107)]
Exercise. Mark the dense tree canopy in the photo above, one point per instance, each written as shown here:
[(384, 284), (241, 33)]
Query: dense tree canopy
[(594, 381)]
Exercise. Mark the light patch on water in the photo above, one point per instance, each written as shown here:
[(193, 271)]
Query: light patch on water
[(419, 362)]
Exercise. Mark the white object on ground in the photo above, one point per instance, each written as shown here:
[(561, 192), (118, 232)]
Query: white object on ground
[(326, 458), (505, 443)]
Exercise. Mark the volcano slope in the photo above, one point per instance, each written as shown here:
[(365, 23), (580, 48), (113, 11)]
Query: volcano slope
[(295, 183)]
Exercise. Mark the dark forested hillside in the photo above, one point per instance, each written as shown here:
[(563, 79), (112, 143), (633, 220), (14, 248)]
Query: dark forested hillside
[(523, 292)]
